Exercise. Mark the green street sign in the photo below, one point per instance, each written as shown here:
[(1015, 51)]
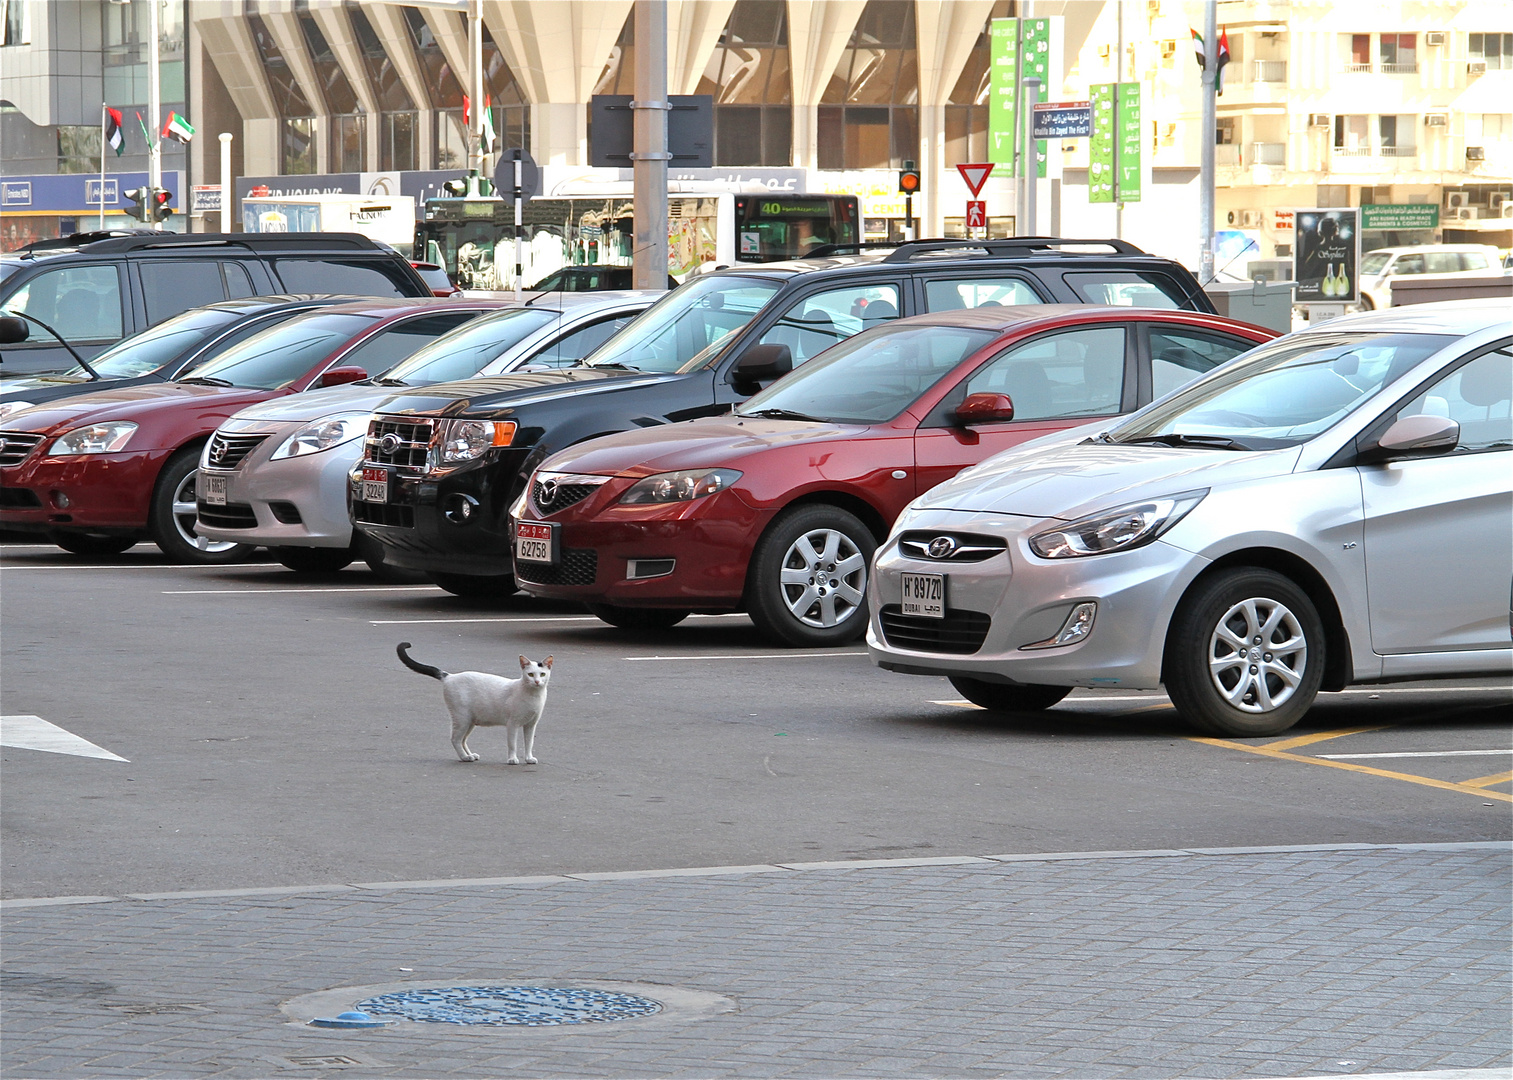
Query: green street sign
[(1401, 216)]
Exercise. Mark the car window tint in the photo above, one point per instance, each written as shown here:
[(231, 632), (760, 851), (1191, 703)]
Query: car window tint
[(82, 303), (1441, 262), (152, 348), (359, 277), (813, 324), (398, 342), (952, 295), (1473, 260), (238, 281), (175, 285), (1074, 373), (1178, 357), (1127, 288), (1476, 396), (279, 355), (1409, 264), (1373, 263), (570, 348), (685, 328), (471, 348)]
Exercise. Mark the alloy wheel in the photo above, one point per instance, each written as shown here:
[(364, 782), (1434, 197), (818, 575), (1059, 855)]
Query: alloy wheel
[(823, 578), (1257, 655)]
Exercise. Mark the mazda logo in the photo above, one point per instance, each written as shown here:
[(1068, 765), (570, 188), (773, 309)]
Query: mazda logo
[(942, 547), (390, 443), (548, 493)]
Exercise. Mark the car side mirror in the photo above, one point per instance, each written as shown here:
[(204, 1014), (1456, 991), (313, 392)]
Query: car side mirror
[(1418, 434), (340, 376), (759, 363), (13, 330), (984, 409)]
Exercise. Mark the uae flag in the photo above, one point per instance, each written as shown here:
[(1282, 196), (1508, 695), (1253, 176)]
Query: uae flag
[(178, 128), (1222, 59), (486, 144), (113, 137)]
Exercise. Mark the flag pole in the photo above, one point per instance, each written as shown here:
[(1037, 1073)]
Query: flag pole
[(104, 119), (1206, 143), (154, 102)]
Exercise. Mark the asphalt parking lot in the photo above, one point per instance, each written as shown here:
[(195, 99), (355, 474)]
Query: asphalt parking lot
[(254, 731)]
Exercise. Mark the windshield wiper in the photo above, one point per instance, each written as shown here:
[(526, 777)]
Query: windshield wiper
[(782, 414), (613, 364), (1211, 442), (206, 380)]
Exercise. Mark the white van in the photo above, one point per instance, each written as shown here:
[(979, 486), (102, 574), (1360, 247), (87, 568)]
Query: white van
[(1379, 267)]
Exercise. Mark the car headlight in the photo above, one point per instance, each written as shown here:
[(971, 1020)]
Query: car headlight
[(8, 407), (94, 439), (322, 435), (1115, 530), (679, 486), (467, 440)]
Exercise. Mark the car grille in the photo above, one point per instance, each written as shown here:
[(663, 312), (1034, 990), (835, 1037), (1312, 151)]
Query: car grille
[(230, 516), (552, 492), (960, 632), (579, 566), (397, 515), (19, 498), (227, 451), (955, 547), (404, 444), (16, 445)]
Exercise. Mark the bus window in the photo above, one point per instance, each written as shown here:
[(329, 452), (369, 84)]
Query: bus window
[(776, 227)]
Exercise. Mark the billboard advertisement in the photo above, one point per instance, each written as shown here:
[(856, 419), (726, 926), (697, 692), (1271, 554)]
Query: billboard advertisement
[(1326, 254)]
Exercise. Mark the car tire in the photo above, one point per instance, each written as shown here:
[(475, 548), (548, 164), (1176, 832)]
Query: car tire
[(1366, 304), (1002, 697), (1245, 654), (807, 585), (371, 552), (92, 544), (171, 518), (313, 560), (477, 587), (638, 618)]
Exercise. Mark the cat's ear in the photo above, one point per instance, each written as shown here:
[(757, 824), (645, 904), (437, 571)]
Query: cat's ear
[(547, 663), (524, 662)]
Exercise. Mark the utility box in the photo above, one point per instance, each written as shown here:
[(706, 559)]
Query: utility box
[(1260, 303)]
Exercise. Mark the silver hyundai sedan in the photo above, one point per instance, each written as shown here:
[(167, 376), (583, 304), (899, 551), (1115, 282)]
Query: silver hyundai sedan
[(283, 468), (1333, 507)]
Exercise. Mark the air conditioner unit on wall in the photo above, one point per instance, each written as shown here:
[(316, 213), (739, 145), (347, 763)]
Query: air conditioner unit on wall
[(1463, 213), (1318, 119), (1476, 153), (1434, 37), (1454, 200), (1506, 211), (1476, 67), (1499, 201), (1436, 119)]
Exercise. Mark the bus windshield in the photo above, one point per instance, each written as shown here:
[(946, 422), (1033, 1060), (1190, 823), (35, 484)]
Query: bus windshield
[(683, 324), (773, 227)]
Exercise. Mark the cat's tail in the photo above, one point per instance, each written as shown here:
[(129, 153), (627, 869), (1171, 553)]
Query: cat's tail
[(416, 665)]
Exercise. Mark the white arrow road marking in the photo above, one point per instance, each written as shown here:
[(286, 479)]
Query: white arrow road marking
[(35, 733)]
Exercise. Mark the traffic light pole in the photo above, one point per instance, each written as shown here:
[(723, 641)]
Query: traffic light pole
[(154, 102)]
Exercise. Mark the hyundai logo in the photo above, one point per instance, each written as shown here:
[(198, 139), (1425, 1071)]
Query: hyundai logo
[(390, 443), (548, 493), (942, 547)]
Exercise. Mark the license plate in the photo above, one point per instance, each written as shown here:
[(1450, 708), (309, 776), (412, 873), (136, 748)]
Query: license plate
[(535, 542), (375, 484), (924, 595), (213, 490)]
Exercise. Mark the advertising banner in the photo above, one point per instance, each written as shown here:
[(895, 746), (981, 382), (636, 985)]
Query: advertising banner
[(1036, 53), (1128, 122), (1100, 170), (1003, 90), (1326, 254)]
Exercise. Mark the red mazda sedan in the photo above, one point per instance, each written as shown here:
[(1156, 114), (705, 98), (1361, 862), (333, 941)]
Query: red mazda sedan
[(98, 472), (776, 508)]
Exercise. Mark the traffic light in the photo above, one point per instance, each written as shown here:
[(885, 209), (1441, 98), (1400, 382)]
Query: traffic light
[(161, 211), (456, 188), (908, 179), (141, 203)]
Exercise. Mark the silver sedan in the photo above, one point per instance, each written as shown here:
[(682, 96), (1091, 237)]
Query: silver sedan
[(285, 462), (1334, 507)]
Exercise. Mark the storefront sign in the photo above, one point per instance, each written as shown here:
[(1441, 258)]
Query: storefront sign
[(78, 193), (1326, 254), (205, 198), (1401, 216)]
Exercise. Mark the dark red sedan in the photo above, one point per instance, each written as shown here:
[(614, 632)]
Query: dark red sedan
[(776, 508), (98, 472)]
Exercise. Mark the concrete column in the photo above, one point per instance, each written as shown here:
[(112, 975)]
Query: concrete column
[(337, 30), (693, 31), (945, 33), (818, 32)]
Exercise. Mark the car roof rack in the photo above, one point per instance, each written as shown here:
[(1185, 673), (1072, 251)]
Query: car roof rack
[(1019, 245), (142, 239), (74, 240), (826, 250)]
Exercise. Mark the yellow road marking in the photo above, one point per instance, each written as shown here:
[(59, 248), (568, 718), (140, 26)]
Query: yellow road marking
[(1443, 785), (1488, 781), (1321, 736)]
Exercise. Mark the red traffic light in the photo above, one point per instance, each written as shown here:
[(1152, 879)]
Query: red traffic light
[(908, 179), (160, 208)]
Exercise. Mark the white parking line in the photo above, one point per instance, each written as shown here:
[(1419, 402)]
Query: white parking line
[(35, 733), (1418, 753), (334, 588), (749, 656), (239, 568), (534, 618)]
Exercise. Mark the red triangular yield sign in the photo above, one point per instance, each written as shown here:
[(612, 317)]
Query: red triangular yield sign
[(975, 175)]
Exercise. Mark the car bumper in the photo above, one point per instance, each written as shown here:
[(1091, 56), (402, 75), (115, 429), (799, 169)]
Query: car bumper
[(1015, 600), (291, 502), (91, 491)]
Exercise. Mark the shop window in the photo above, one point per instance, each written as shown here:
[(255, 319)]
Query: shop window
[(869, 116)]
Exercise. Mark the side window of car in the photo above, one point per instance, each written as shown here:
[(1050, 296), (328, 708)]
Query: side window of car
[(1442, 262), (813, 324), (82, 303), (570, 348), (953, 294), (1127, 288), (389, 346), (1477, 396), (1178, 357), (238, 281), (1409, 264), (333, 274), (1073, 373), (175, 285), (1472, 260)]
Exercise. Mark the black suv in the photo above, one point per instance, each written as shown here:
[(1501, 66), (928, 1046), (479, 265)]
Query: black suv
[(96, 288), (442, 465)]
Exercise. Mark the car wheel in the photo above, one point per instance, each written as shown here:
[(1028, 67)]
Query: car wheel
[(807, 585), (638, 618), (1366, 303), (172, 517), (371, 552), (476, 587), (1001, 697), (82, 543), (313, 560), (1245, 654)]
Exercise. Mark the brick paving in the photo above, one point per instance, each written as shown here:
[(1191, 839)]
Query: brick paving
[(1246, 963)]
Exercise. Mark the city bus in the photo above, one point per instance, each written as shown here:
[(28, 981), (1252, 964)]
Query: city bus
[(474, 238)]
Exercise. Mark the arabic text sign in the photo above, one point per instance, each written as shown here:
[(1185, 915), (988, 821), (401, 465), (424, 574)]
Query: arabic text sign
[(1401, 216), (1064, 120)]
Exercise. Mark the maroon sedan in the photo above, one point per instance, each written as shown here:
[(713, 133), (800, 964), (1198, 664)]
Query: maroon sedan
[(776, 508), (98, 472)]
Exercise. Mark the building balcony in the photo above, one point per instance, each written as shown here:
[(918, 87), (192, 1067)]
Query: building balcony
[(1398, 151), (1268, 71), (1352, 151), (1357, 69), (1227, 154), (1410, 68)]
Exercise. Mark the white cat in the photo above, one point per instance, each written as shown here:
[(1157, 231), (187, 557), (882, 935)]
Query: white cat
[(477, 699)]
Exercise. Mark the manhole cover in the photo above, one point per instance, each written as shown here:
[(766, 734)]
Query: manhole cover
[(530, 1006)]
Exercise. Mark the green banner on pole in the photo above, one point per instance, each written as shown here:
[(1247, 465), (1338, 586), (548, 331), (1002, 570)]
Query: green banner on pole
[(1003, 90), (1128, 123), (1037, 65), (1100, 169)]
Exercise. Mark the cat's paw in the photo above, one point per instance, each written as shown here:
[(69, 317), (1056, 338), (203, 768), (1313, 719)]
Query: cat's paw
[(530, 761), (470, 757), (513, 761)]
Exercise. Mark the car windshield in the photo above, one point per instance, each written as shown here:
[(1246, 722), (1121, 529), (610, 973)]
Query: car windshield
[(465, 351), (279, 355), (144, 353), (1282, 394), (680, 328), (870, 378), (1373, 263)]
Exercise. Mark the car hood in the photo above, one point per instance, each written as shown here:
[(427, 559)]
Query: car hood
[(499, 395), (694, 444), (130, 403), (1070, 481), (314, 404)]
